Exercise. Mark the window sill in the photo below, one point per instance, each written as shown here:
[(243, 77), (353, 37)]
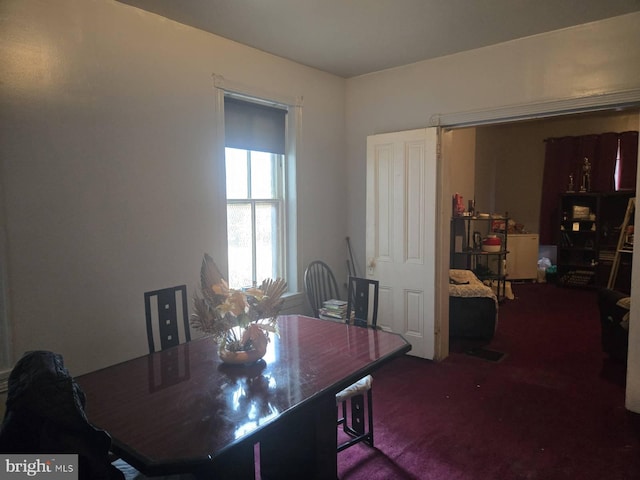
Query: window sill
[(294, 302)]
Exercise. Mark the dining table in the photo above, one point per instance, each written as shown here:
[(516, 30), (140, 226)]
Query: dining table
[(182, 410)]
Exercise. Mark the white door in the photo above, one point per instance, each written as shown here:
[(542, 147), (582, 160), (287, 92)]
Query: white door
[(400, 238)]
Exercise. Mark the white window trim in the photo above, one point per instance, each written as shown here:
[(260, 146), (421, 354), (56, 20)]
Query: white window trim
[(293, 139)]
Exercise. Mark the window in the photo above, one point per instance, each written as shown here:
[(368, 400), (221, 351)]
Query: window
[(255, 178), (255, 216)]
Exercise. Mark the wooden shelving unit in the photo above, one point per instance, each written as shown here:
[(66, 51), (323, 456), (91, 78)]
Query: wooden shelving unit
[(589, 228)]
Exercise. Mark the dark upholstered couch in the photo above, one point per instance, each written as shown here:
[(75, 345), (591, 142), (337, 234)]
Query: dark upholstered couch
[(614, 321)]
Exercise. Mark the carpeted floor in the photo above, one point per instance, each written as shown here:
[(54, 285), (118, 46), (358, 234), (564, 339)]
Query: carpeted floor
[(551, 408)]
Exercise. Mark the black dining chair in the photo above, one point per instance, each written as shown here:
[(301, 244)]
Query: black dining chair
[(169, 317), (45, 413), (168, 307), (320, 285), (362, 297)]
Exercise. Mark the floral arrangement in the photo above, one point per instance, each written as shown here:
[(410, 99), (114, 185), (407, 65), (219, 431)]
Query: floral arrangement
[(239, 320)]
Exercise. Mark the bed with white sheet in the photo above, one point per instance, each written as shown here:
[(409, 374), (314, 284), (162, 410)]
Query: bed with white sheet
[(473, 306)]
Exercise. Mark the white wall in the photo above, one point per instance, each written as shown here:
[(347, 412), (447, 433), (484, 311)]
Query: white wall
[(460, 148), (106, 145), (589, 60)]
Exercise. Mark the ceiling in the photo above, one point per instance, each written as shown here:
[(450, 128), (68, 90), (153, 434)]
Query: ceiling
[(355, 37)]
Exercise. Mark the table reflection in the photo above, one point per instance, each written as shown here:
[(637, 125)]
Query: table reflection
[(168, 368), (249, 390)]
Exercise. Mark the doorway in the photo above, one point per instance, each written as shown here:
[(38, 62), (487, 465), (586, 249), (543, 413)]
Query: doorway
[(501, 166)]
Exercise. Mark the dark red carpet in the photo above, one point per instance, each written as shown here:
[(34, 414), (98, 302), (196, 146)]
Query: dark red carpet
[(551, 408)]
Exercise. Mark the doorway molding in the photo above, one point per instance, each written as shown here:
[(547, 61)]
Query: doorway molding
[(616, 100), (544, 109)]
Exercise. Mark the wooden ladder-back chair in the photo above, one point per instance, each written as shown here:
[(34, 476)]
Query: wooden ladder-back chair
[(362, 297)]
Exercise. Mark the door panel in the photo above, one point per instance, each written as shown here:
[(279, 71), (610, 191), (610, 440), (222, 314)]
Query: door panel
[(383, 195), (414, 202), (414, 311), (401, 213)]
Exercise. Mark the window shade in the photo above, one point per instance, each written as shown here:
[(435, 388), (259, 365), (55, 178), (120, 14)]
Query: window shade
[(250, 126)]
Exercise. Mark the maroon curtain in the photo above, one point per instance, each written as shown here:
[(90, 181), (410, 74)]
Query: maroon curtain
[(565, 156), (561, 159), (628, 160)]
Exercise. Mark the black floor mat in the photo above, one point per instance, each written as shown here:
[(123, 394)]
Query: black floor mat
[(485, 354)]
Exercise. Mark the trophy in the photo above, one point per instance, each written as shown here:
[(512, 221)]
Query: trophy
[(586, 176)]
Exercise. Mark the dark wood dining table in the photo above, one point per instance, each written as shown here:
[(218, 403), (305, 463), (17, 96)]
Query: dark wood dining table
[(183, 411)]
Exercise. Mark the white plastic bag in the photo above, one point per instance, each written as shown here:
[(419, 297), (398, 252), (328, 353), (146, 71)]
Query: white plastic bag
[(543, 264)]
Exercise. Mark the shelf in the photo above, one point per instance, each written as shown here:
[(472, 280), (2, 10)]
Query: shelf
[(482, 252), (467, 235), (569, 223), (587, 224), (577, 278), (574, 265), (465, 217)]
